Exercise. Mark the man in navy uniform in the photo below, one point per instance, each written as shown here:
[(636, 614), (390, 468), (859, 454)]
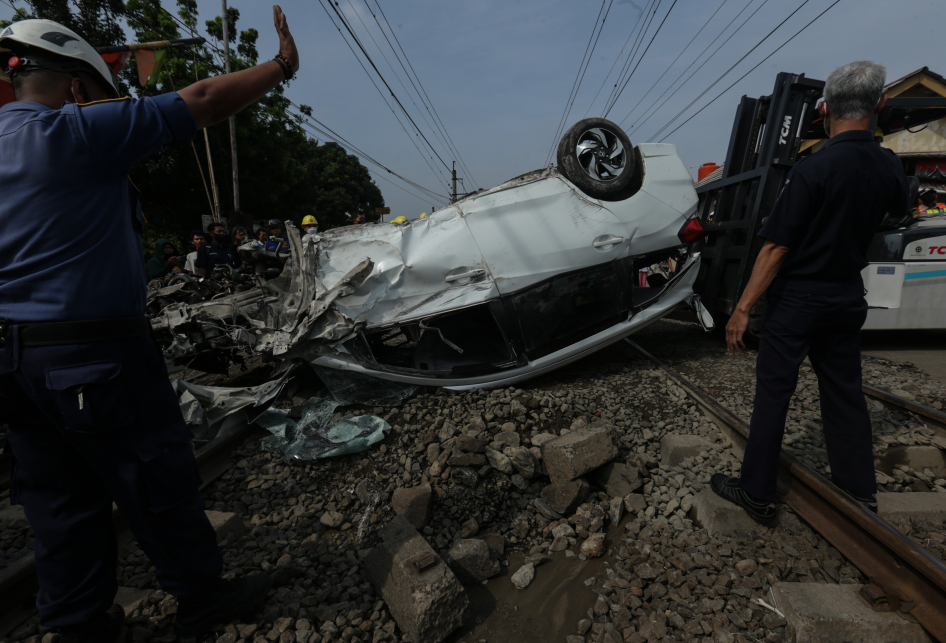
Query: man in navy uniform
[(91, 415), (816, 240)]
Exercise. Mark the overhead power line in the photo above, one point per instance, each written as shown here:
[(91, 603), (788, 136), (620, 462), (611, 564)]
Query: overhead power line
[(652, 38), (576, 85), (733, 66), (682, 51), (429, 103), (751, 70), (645, 12), (632, 54), (721, 33)]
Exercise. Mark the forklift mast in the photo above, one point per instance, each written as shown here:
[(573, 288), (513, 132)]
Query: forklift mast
[(764, 145)]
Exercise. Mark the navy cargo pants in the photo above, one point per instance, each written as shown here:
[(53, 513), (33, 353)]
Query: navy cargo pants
[(89, 424), (821, 320)]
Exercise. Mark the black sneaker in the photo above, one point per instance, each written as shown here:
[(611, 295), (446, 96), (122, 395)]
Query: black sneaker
[(727, 487), (107, 628), (214, 611)]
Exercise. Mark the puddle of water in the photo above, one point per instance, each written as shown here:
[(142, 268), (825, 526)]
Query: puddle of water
[(546, 611)]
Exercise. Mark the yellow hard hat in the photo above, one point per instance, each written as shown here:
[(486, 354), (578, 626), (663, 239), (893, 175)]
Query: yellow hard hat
[(309, 220), (879, 133), (422, 215), (401, 219)]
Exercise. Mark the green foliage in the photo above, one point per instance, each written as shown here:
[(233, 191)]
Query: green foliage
[(283, 173)]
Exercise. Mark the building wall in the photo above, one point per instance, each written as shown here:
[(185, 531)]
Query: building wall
[(930, 139)]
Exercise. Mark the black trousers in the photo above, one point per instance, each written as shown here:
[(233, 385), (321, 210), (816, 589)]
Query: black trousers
[(90, 424), (821, 320)]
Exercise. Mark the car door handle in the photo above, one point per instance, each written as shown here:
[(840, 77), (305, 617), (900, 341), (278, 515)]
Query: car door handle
[(472, 274), (607, 240)]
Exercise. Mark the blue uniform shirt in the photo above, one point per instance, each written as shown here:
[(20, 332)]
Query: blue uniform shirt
[(70, 245), (832, 204)]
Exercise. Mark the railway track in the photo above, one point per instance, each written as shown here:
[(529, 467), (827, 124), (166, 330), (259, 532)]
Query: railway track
[(903, 576), (18, 582)]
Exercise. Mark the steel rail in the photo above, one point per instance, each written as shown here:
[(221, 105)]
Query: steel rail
[(903, 576), (18, 581), (904, 403)]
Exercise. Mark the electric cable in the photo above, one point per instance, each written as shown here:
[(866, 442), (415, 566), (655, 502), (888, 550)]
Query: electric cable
[(575, 82), (423, 90), (639, 60), (683, 51), (710, 57), (604, 82), (733, 66), (632, 55), (751, 70)]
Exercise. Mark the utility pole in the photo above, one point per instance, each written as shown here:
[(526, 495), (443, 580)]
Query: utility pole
[(454, 174), (233, 143)]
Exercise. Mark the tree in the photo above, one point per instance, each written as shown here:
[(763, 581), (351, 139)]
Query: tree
[(283, 173)]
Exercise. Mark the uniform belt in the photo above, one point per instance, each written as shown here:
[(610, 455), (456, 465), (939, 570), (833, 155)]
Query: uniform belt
[(82, 332)]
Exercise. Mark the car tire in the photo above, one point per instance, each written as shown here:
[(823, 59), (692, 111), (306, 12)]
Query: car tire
[(597, 156)]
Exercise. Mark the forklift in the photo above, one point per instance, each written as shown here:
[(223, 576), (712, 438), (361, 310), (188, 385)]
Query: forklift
[(906, 284)]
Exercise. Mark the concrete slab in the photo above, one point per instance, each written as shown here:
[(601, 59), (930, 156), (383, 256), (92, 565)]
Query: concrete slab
[(131, 598), (573, 455), (226, 523), (423, 595), (817, 613), (720, 517), (903, 506), (674, 449)]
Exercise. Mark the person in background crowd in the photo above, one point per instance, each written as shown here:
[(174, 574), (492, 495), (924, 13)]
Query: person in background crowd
[(309, 225), (220, 251), (358, 219), (927, 204), (277, 242), (199, 239), (261, 238), (240, 235), (164, 260)]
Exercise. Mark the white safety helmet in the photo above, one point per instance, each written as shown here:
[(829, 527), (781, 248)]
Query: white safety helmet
[(71, 52)]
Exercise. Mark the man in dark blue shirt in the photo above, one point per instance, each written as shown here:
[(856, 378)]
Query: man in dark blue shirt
[(92, 418), (220, 251), (816, 241)]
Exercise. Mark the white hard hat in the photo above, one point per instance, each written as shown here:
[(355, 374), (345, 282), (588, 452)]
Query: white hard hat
[(71, 52)]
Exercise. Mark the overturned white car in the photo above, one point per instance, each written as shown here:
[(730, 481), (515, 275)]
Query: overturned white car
[(499, 287)]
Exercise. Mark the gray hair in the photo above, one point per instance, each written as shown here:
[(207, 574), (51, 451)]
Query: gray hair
[(853, 90)]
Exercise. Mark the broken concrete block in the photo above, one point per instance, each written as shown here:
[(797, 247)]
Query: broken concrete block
[(414, 503), (565, 498), (580, 451), (471, 561), (617, 479), (542, 438), (131, 598), (226, 523), (423, 595), (499, 462), (674, 449), (917, 457), (898, 507), (827, 612), (720, 517), (495, 542), (522, 459)]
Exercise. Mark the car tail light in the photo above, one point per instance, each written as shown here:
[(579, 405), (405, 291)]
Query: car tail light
[(692, 231)]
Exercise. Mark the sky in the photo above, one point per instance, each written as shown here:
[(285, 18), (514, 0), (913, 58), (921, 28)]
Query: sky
[(499, 72)]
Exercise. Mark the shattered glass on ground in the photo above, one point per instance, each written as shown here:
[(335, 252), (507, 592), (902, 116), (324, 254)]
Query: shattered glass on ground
[(314, 436)]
